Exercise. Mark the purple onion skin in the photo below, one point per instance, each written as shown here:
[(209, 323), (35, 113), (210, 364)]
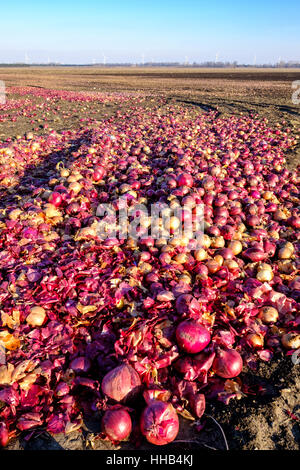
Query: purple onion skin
[(80, 364), (187, 304)]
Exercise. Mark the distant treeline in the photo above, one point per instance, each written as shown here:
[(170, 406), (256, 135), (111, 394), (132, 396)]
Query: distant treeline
[(209, 64)]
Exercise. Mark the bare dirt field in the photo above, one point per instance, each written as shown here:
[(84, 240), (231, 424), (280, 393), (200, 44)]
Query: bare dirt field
[(266, 422), (265, 92)]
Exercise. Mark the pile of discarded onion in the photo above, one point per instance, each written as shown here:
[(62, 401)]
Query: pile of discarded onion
[(93, 325)]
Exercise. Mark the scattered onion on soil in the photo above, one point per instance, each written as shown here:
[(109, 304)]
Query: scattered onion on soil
[(90, 320)]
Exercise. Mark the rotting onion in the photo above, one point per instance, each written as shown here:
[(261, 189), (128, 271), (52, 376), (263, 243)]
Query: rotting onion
[(159, 423)]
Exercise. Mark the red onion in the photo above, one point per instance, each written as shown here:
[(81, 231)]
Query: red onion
[(3, 434), (116, 423), (171, 182), (192, 337), (226, 253), (295, 284), (98, 173), (255, 254), (272, 179), (220, 220), (220, 200), (185, 179), (294, 221), (221, 212), (201, 270), (213, 231), (121, 383), (228, 363), (227, 232), (55, 198), (269, 248), (255, 194), (208, 199), (232, 195), (252, 220), (72, 208), (159, 423), (145, 256)]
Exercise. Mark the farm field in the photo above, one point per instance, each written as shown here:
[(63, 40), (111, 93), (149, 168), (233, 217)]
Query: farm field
[(68, 121)]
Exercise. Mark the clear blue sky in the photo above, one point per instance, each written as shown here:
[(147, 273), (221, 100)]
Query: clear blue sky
[(123, 30)]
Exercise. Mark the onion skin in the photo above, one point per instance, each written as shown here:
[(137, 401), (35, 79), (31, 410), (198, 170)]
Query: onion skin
[(80, 364), (121, 383), (192, 337), (187, 304), (62, 389), (159, 423), (228, 363), (117, 425), (14, 214)]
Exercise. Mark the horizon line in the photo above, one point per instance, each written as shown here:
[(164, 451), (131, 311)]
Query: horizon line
[(206, 64)]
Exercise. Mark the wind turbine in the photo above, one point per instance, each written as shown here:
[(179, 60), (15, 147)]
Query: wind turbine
[(254, 60), (104, 59), (143, 59), (217, 57), (26, 58), (186, 60)]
